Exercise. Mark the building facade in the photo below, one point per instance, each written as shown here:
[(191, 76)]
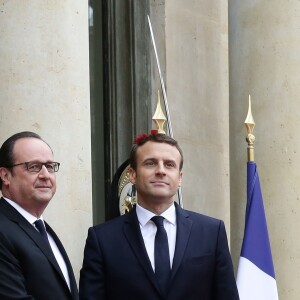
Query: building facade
[(83, 75)]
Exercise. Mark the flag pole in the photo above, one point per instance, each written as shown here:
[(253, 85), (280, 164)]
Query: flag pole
[(163, 88), (249, 122), (256, 275)]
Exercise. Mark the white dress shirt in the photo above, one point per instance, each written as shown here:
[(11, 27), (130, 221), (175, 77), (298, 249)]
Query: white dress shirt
[(31, 219), (148, 229)]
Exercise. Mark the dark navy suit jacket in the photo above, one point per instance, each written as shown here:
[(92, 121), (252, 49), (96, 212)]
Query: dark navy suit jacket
[(28, 268), (116, 265)]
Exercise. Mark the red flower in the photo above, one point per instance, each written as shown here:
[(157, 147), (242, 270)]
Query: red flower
[(140, 137)]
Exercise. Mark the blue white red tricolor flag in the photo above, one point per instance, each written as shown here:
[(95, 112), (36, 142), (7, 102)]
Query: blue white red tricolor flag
[(256, 276)]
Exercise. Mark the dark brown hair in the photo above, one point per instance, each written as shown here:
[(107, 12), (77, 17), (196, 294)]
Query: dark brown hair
[(157, 138)]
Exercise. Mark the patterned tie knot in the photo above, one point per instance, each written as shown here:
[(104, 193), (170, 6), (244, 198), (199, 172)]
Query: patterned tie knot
[(158, 220)]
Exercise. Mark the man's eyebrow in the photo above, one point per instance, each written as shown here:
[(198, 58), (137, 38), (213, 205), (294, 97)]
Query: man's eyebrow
[(164, 160), (149, 158), (170, 161)]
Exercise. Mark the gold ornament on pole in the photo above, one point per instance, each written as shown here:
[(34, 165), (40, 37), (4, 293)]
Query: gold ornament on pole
[(159, 117), (249, 122)]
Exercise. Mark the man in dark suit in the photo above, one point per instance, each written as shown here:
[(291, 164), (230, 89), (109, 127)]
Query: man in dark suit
[(33, 262), (122, 259)]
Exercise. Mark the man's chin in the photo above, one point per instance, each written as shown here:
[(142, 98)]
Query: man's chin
[(162, 197), (44, 196)]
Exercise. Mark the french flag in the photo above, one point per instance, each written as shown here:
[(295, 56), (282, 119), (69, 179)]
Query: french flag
[(256, 276)]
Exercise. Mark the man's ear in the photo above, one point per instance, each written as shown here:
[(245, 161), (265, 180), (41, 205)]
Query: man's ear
[(5, 175), (132, 175)]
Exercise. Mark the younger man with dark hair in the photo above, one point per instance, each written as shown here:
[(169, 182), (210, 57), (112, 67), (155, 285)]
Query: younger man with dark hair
[(157, 250)]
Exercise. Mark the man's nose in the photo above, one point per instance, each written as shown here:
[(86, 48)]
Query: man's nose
[(160, 169), (44, 172)]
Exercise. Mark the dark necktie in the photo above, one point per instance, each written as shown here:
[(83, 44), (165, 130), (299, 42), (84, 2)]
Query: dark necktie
[(161, 254), (39, 224)]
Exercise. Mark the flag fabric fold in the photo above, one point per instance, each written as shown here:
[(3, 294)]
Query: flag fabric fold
[(256, 276)]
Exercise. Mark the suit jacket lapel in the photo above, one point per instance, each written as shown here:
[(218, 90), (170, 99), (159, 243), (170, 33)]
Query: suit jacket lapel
[(28, 228), (73, 284), (134, 237), (184, 225)]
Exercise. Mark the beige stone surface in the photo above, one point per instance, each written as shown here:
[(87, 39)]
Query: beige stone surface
[(264, 55), (44, 84), (197, 88)]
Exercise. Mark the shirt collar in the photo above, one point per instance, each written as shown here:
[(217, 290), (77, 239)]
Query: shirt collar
[(29, 217), (145, 215)]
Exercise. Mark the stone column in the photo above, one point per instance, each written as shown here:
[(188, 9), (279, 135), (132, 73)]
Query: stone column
[(264, 62), (44, 83), (197, 88)]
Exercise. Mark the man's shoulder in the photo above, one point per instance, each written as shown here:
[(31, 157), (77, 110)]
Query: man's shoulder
[(9, 228), (201, 218), (9, 213), (4, 222), (5, 211), (116, 222)]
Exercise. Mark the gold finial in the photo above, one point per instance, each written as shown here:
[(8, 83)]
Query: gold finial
[(249, 122), (159, 117)]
